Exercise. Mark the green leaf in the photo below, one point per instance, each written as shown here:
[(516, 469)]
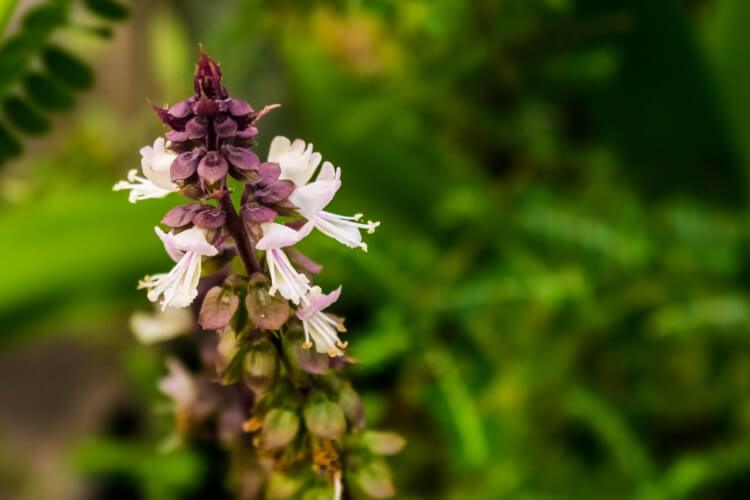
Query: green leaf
[(46, 93), (108, 9), (25, 117), (68, 68), (46, 17)]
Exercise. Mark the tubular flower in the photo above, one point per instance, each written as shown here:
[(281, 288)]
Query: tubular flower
[(291, 284), (179, 287), (320, 327), (297, 160), (155, 164), (312, 198)]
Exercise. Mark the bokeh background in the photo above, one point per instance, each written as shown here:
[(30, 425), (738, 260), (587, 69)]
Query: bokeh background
[(556, 305)]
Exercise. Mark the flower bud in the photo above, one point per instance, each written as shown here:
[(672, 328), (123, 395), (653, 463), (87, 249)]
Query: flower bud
[(325, 419), (260, 368), (375, 479), (217, 309), (213, 167), (266, 311), (279, 428), (307, 360), (383, 443), (226, 350), (281, 486), (319, 494), (352, 405)]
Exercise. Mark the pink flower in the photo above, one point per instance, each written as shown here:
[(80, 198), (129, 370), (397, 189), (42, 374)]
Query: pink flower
[(321, 328), (179, 287), (312, 198), (291, 284)]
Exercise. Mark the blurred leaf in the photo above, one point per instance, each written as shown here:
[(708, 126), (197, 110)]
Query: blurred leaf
[(108, 9), (68, 68), (25, 117), (47, 93)]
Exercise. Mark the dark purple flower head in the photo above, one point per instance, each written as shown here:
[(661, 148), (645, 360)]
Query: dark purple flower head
[(208, 78), (213, 135)]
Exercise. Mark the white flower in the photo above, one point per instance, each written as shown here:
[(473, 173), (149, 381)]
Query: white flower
[(297, 160), (160, 326), (292, 285), (312, 198), (179, 287), (320, 327), (179, 385), (155, 164)]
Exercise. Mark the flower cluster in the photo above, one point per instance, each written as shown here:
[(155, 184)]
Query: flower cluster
[(206, 155), (210, 139)]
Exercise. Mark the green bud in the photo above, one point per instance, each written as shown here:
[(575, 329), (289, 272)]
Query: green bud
[(261, 367), (307, 360), (281, 486), (266, 311), (383, 443), (227, 349), (352, 405), (279, 428), (318, 494), (375, 479), (325, 419)]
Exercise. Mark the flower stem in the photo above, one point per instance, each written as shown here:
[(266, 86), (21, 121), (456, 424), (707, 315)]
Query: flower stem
[(241, 239)]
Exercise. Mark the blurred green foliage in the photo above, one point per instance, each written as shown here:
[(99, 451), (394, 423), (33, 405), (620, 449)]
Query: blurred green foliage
[(555, 305), (39, 76)]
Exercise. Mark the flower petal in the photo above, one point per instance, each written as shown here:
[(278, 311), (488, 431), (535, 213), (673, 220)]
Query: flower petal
[(279, 236), (279, 145)]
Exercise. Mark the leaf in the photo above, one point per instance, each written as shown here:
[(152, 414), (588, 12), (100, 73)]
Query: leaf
[(266, 311), (25, 117), (45, 17), (47, 93), (108, 9), (68, 68), (217, 309)]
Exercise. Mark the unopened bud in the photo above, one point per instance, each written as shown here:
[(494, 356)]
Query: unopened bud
[(226, 349), (375, 479), (352, 405), (219, 305), (319, 494), (325, 419), (266, 311), (281, 486), (261, 367), (383, 443), (279, 428)]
